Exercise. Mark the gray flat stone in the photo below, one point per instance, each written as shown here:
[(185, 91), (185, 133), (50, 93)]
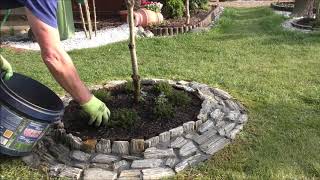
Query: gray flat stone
[(188, 149), (75, 142), (189, 126), (70, 172), (198, 124), (232, 105), (243, 118), (178, 131), (120, 147), (172, 162), (196, 159), (131, 158), (101, 166), (214, 145), (116, 83), (121, 165), (226, 129), (146, 163), (104, 159), (181, 166), (157, 173), (164, 137), (130, 174), (221, 93), (32, 160), (99, 174), (80, 165), (206, 126), (137, 146), (178, 142), (191, 135), (152, 142), (154, 153), (217, 115), (80, 156), (55, 170), (103, 146), (233, 116), (61, 153), (205, 136)]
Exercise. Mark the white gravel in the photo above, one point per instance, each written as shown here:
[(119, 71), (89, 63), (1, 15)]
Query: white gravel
[(79, 41)]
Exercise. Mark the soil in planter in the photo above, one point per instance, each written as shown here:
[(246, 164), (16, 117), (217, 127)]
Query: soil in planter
[(147, 123)]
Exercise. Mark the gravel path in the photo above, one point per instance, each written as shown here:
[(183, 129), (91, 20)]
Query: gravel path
[(79, 41)]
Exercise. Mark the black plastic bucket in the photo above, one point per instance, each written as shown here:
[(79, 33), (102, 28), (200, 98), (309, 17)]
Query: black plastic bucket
[(27, 108)]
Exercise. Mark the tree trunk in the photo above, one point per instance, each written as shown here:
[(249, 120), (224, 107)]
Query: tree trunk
[(303, 8), (132, 47), (188, 11), (317, 6)]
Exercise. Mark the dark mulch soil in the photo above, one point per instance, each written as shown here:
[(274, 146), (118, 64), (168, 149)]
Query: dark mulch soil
[(146, 127), (306, 23)]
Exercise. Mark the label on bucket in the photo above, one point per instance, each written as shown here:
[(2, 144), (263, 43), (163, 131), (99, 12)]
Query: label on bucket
[(8, 124)]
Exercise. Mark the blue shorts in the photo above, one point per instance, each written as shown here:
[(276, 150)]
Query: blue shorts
[(45, 10)]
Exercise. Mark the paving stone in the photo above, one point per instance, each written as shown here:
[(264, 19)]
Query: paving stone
[(185, 88), (131, 158), (243, 118), (233, 116), (80, 156), (70, 172), (105, 159), (206, 107), (164, 137), (137, 146), (104, 146), (61, 153), (221, 93), (226, 129), (205, 126), (178, 142), (99, 174), (205, 136), (146, 163), (191, 135), (120, 147), (112, 84), (181, 166), (157, 173), (189, 126), (101, 166), (154, 153), (75, 142), (198, 124), (121, 165), (130, 174), (178, 131), (152, 142), (196, 159), (214, 145), (32, 160), (217, 115), (172, 162), (188, 149), (55, 170), (80, 165), (232, 105)]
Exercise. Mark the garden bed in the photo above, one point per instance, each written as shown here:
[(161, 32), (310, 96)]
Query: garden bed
[(305, 24), (200, 18)]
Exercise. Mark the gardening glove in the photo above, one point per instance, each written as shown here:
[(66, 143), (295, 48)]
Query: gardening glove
[(98, 111), (6, 67)]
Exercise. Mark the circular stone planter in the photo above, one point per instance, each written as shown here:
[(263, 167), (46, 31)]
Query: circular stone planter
[(304, 23), (220, 119), (283, 6)]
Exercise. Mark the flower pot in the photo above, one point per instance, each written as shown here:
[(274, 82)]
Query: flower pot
[(123, 15), (145, 17)]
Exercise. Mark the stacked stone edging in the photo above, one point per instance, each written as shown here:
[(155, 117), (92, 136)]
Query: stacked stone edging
[(220, 119), (278, 7), (212, 16)]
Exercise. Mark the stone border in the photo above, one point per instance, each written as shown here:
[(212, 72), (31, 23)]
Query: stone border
[(278, 7), (295, 24), (288, 25), (220, 119), (212, 16)]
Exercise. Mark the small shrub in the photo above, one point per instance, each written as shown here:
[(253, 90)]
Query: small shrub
[(102, 94), (123, 118), (162, 87), (179, 98), (128, 88), (163, 109), (198, 4), (173, 8)]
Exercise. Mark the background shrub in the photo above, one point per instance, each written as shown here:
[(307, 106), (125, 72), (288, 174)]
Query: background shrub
[(198, 4), (173, 8)]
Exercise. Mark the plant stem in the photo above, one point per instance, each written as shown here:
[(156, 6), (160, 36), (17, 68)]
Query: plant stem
[(83, 21), (88, 18), (95, 17), (188, 11)]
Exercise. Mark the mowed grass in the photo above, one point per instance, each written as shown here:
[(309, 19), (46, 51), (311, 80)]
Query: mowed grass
[(273, 72)]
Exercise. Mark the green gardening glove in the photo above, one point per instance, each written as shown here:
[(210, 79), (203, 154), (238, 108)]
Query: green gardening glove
[(5, 66), (98, 111)]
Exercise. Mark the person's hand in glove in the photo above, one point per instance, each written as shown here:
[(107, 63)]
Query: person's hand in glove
[(98, 111), (6, 67)]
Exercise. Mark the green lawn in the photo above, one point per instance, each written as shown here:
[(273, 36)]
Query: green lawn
[(275, 73)]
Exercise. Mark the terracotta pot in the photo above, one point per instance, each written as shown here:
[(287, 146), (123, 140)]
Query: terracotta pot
[(145, 17)]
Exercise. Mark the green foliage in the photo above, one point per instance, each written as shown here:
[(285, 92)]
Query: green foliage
[(162, 87), (124, 118), (173, 8), (128, 87), (102, 94), (179, 98), (163, 109), (198, 4)]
